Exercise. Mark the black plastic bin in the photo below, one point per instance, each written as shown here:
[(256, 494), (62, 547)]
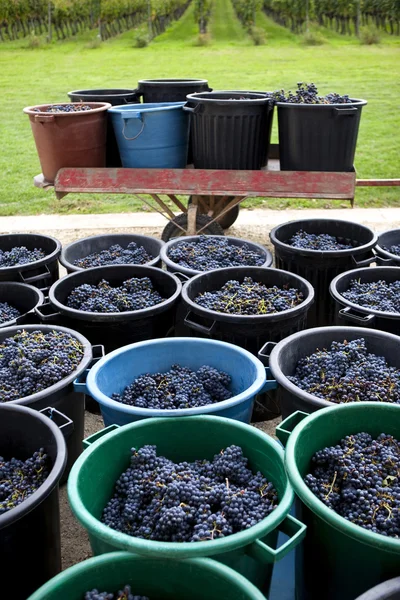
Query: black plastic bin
[(388, 590), (40, 273), (170, 90), (230, 130), (97, 243), (320, 267), (30, 546), (318, 137), (61, 395), (114, 330), (252, 331), (386, 240), (24, 298), (285, 355), (115, 97), (174, 267), (353, 314)]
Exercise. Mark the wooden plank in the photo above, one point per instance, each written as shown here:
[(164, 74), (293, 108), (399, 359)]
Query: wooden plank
[(377, 182), (269, 184)]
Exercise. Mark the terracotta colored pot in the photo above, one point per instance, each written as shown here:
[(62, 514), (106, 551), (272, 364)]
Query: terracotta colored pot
[(69, 139)]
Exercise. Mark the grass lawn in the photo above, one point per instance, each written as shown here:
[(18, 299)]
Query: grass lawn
[(46, 74)]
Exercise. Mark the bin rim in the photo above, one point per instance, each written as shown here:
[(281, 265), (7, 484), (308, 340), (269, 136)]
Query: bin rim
[(359, 102), (226, 98), (56, 387), (12, 516), (102, 561), (247, 319), (342, 331), (336, 295), (21, 286), (103, 91), (36, 263), (148, 107), (311, 501), (177, 549), (195, 238), (380, 248), (114, 316), (322, 253), (103, 399), (95, 107), (182, 81), (123, 236), (382, 591)]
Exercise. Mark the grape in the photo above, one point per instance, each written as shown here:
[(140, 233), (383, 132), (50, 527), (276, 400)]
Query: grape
[(347, 372), (115, 255), (158, 499), (133, 294), (209, 252), (359, 479), (178, 388), (8, 312), (20, 255), (125, 594), (31, 361), (64, 108), (250, 298), (316, 241), (307, 93), (19, 479), (377, 295)]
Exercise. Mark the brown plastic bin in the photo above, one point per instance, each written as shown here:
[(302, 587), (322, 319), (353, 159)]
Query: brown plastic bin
[(69, 139)]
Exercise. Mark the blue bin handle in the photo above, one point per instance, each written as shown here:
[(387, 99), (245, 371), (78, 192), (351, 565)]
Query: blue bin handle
[(286, 427), (80, 382), (132, 114), (99, 434), (345, 313), (270, 384), (263, 553)]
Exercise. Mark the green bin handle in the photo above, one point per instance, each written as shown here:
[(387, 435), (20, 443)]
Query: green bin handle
[(286, 427), (263, 553), (99, 434)]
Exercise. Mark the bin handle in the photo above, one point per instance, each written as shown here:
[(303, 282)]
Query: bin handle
[(286, 427), (366, 262), (64, 423), (182, 277), (262, 552), (80, 382), (96, 436), (345, 313), (44, 118), (198, 108), (265, 352), (270, 384), (348, 111), (198, 326), (389, 262), (46, 318), (132, 115), (44, 275)]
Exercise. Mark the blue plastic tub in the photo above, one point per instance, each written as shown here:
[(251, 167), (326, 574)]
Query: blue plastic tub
[(152, 135), (119, 368)]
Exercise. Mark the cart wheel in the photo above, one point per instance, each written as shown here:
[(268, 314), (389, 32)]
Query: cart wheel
[(171, 230), (226, 220)]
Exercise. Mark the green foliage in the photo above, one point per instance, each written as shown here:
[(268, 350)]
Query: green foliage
[(258, 35), (340, 15), (140, 40), (370, 35), (246, 11), (202, 13), (313, 38)]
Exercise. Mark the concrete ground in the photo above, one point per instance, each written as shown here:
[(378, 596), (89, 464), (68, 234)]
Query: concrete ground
[(252, 224)]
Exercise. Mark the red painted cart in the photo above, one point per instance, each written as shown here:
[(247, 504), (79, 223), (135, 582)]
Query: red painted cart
[(214, 195)]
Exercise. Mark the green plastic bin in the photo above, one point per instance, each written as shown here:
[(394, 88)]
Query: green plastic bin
[(338, 560), (158, 579), (252, 553)]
